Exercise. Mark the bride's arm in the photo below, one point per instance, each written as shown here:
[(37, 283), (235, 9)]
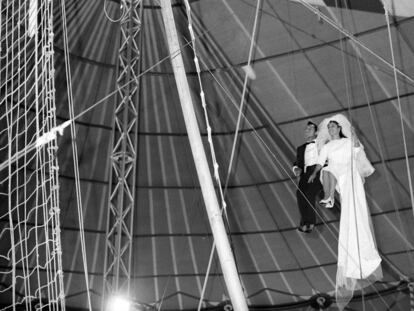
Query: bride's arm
[(354, 138)]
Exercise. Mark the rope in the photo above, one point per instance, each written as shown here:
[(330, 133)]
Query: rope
[(209, 138), (354, 39), (75, 154), (345, 65), (123, 8), (51, 134), (246, 78), (400, 109), (28, 285), (382, 157), (12, 242), (210, 261), (40, 188), (37, 115)]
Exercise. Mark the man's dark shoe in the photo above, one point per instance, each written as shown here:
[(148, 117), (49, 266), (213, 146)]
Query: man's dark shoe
[(310, 228)]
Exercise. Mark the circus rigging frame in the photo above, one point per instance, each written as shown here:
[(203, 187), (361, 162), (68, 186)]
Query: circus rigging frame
[(120, 217)]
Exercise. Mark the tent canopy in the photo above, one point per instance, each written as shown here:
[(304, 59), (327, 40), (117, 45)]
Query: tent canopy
[(305, 69)]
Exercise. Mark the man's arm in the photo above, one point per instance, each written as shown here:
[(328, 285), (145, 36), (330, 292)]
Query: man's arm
[(296, 169), (312, 177)]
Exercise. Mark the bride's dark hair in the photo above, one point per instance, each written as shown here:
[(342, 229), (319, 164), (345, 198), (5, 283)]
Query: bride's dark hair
[(341, 134)]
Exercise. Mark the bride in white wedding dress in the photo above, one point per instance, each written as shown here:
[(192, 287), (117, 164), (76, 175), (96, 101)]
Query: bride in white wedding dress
[(359, 263)]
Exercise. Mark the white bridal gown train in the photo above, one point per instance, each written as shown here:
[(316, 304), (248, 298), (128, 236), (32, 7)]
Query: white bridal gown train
[(359, 263)]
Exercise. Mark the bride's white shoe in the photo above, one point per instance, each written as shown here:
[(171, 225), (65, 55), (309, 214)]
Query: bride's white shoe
[(328, 203)]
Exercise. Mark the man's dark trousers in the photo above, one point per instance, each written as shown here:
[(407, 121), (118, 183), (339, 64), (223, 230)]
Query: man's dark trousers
[(307, 194)]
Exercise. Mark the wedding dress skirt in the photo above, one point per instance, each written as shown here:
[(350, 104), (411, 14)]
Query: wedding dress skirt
[(359, 263)]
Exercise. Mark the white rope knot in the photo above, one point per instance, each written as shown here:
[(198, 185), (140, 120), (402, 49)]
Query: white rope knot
[(51, 135)]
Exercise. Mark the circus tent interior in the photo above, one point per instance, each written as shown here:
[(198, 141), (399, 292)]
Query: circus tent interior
[(99, 189)]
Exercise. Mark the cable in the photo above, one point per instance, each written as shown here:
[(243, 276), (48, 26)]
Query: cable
[(345, 65), (400, 109), (75, 152), (350, 36), (123, 8), (242, 101), (209, 136)]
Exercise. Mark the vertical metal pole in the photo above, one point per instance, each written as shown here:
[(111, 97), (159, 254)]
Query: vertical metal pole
[(216, 222), (119, 231)]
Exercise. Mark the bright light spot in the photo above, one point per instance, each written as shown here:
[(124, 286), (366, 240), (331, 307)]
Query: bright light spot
[(118, 303)]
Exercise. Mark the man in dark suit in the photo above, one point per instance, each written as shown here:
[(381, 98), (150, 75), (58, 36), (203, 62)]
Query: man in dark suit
[(307, 193)]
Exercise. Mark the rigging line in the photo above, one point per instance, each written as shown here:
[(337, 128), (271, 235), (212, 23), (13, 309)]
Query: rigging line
[(25, 176), (373, 71), (21, 237), (348, 89), (48, 134), (354, 39), (302, 49), (210, 261), (382, 157), (75, 152), (163, 294), (210, 140), (13, 251), (102, 100), (38, 158), (123, 14), (354, 139), (242, 101), (197, 198), (323, 43), (400, 109), (204, 105)]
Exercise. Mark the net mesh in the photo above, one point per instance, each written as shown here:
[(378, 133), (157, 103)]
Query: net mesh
[(31, 275)]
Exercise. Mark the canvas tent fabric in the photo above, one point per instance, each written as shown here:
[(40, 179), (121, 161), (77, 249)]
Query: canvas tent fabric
[(305, 69)]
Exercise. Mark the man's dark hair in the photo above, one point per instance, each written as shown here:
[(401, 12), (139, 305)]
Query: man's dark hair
[(314, 125)]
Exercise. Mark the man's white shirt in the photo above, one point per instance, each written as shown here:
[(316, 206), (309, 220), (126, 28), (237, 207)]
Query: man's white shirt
[(311, 154)]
